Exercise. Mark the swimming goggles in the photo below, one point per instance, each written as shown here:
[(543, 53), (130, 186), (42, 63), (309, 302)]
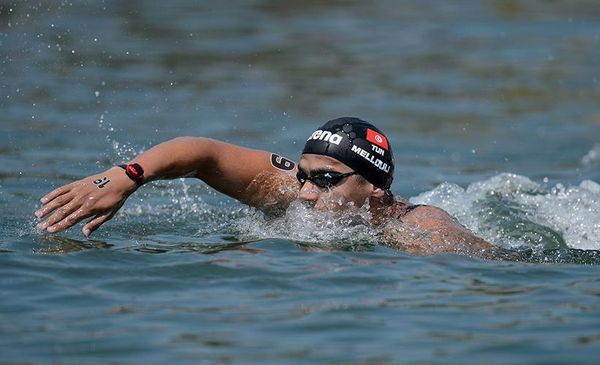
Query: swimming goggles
[(325, 179)]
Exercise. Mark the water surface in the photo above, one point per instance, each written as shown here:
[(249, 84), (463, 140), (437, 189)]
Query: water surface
[(492, 112)]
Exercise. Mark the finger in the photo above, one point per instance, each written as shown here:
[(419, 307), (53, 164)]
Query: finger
[(55, 193), (56, 203), (58, 220), (96, 222), (70, 220)]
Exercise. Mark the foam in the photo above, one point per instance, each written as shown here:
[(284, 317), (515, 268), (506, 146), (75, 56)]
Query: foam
[(592, 157), (322, 229), (513, 210)]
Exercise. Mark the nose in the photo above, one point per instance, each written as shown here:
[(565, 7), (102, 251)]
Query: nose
[(309, 192)]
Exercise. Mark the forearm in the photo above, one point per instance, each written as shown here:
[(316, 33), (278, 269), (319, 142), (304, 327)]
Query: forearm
[(179, 157), (100, 196), (226, 167)]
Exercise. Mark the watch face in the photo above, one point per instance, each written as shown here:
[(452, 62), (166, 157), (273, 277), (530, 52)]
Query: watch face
[(135, 170)]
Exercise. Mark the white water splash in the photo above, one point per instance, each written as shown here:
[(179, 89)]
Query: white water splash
[(122, 151), (592, 157), (572, 212), (323, 229)]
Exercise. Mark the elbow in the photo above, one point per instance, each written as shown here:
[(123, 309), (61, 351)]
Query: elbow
[(189, 139), (195, 145)]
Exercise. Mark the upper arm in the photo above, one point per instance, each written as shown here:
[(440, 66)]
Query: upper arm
[(234, 170)]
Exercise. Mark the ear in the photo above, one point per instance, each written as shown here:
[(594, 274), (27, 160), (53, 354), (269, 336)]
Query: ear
[(377, 193)]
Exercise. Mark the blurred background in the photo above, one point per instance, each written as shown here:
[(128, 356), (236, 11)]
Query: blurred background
[(466, 89)]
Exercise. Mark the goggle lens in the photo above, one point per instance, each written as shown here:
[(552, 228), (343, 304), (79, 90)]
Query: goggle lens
[(326, 179)]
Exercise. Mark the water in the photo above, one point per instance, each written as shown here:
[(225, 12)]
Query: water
[(492, 112)]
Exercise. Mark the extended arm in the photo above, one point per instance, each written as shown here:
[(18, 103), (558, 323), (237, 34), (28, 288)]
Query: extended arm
[(228, 168)]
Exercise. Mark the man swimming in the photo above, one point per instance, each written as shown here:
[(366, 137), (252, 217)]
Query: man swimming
[(345, 164)]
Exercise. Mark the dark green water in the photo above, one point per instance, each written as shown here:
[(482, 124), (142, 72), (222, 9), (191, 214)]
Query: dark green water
[(492, 111)]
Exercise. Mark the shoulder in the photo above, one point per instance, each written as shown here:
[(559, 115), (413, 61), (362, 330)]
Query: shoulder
[(274, 188), (425, 213), (434, 219), (416, 214), (427, 229)]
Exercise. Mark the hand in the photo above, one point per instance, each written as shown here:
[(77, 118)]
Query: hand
[(98, 196)]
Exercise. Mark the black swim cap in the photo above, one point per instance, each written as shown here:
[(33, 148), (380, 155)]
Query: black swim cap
[(359, 145)]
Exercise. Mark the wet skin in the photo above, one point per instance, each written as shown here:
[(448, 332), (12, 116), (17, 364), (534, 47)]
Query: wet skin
[(419, 230), (249, 176)]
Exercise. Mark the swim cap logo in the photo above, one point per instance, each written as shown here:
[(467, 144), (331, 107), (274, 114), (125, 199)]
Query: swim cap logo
[(377, 138), (326, 136)]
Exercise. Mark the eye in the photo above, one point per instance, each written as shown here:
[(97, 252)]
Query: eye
[(301, 176), (326, 179)]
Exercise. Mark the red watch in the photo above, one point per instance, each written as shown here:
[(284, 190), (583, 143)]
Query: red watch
[(135, 172)]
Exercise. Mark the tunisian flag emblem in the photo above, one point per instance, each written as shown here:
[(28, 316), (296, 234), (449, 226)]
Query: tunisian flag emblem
[(377, 138)]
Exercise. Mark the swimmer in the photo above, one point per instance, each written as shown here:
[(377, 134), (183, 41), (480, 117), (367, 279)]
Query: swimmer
[(345, 164)]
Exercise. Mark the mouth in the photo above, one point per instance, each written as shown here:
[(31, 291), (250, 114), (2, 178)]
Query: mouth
[(308, 204), (332, 205)]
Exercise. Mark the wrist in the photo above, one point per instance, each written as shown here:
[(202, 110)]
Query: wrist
[(115, 175), (135, 172)]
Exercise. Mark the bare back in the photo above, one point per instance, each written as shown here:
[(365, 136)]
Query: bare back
[(426, 230)]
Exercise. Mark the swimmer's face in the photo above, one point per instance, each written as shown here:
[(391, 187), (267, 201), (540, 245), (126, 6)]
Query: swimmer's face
[(348, 191)]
